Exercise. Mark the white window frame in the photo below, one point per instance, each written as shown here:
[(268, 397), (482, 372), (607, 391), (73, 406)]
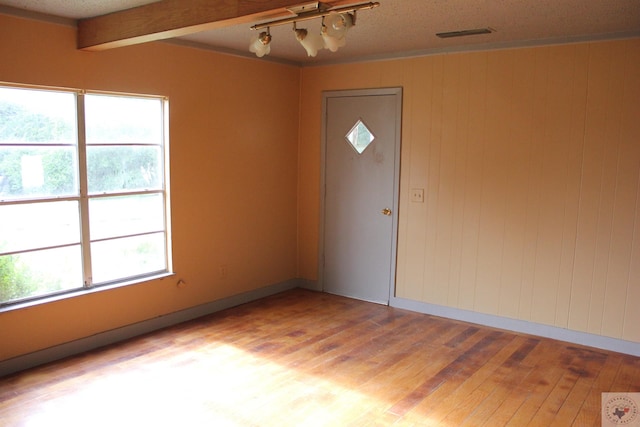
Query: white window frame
[(83, 197)]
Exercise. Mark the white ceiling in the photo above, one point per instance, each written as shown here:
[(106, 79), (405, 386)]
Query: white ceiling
[(408, 27)]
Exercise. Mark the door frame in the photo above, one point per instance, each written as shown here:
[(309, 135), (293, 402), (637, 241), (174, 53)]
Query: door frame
[(397, 91)]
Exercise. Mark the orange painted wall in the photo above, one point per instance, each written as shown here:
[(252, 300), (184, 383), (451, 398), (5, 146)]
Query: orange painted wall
[(233, 142), (530, 161)]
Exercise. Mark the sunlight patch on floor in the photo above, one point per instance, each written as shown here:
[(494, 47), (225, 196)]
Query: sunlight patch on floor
[(223, 386)]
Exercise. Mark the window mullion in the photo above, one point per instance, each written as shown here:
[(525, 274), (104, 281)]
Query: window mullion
[(84, 193), (165, 183)]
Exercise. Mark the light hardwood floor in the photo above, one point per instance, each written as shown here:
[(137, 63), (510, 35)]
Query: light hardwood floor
[(302, 358)]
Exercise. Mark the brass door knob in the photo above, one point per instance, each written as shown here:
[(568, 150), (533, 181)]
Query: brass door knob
[(386, 211)]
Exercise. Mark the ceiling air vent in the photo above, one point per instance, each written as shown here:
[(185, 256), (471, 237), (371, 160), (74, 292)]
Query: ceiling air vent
[(463, 33)]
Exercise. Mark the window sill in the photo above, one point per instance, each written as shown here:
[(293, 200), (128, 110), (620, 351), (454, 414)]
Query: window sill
[(80, 292)]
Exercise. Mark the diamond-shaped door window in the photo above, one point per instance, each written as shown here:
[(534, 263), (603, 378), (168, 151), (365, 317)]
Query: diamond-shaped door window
[(360, 137)]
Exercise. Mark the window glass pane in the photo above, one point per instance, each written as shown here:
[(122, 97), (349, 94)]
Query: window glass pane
[(123, 120), (121, 216), (128, 257), (360, 137), (118, 169), (33, 226), (40, 273), (34, 172), (30, 116)]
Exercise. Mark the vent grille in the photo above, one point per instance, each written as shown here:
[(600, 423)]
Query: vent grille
[(463, 33)]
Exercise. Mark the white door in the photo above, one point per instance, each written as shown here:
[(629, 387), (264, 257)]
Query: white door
[(361, 149)]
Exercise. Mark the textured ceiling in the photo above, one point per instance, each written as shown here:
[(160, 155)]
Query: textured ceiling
[(75, 9), (408, 27)]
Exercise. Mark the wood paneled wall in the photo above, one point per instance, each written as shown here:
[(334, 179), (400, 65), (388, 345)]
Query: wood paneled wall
[(530, 161)]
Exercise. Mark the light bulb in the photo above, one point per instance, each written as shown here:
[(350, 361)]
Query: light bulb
[(338, 23)]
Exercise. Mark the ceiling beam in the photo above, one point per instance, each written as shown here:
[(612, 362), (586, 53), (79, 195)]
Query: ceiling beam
[(174, 18)]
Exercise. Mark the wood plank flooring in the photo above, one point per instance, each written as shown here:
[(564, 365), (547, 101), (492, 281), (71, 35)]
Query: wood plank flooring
[(302, 358)]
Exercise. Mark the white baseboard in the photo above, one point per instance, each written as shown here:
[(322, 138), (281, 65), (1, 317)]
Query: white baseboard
[(554, 332), (102, 339)]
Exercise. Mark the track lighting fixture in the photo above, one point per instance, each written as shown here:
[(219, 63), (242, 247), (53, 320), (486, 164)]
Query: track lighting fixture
[(335, 24)]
